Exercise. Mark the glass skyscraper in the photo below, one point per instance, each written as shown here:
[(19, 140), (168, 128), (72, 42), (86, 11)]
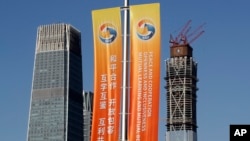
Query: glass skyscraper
[(87, 115), (56, 107)]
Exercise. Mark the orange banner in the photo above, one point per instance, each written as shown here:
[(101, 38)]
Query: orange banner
[(107, 74), (144, 72)]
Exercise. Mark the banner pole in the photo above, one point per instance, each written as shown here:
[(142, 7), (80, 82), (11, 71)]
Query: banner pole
[(125, 71)]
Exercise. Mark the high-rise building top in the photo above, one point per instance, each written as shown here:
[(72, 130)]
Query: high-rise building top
[(56, 106), (87, 115), (181, 51), (181, 78)]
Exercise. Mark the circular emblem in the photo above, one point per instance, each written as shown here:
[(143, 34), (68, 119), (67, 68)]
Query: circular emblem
[(107, 33), (145, 29)]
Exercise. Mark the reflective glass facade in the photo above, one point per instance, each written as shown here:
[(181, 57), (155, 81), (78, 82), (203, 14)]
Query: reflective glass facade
[(87, 115), (56, 108)]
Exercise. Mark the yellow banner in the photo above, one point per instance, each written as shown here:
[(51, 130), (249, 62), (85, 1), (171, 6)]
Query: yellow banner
[(145, 72), (107, 74)]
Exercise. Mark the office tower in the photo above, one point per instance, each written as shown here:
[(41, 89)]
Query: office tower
[(56, 107), (87, 115), (181, 88)]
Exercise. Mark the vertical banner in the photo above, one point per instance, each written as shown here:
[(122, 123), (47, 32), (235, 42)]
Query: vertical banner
[(107, 74), (144, 72)]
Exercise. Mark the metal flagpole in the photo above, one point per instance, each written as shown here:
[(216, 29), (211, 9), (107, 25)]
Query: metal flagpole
[(125, 71)]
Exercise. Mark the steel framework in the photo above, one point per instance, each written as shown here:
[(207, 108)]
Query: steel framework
[(181, 88)]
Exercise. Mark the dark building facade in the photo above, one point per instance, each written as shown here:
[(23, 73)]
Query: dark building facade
[(181, 78), (87, 115), (56, 107)]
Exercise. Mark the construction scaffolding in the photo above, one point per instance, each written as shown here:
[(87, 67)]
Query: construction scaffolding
[(181, 79)]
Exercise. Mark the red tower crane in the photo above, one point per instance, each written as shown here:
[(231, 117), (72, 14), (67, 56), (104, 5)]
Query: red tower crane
[(184, 37), (184, 29), (177, 39)]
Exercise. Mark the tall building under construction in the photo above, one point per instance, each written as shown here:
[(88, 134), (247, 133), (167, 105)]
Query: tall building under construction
[(181, 78)]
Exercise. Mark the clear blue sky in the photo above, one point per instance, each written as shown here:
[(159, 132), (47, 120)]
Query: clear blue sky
[(222, 53)]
